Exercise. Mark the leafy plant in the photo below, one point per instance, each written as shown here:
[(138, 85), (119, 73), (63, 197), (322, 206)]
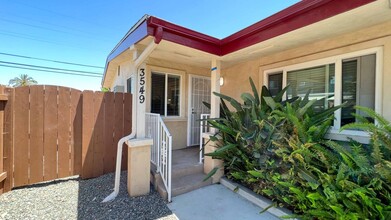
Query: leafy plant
[(278, 149)]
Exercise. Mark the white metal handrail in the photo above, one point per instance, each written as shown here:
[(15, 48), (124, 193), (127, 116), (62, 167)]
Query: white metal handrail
[(204, 128), (161, 151)]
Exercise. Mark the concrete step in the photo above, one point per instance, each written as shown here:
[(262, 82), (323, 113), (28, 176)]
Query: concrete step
[(179, 170), (187, 183), (183, 184), (161, 189)]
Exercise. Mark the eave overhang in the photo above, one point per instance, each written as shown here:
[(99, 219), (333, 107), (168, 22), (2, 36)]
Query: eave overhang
[(303, 13)]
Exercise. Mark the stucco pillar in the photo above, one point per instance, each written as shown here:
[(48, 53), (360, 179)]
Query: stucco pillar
[(215, 87), (141, 100), (209, 162), (139, 157)]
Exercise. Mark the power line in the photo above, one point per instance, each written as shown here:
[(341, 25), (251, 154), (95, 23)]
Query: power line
[(51, 29), (49, 71), (51, 68), (30, 37), (57, 25), (61, 14), (32, 25), (47, 23), (54, 61)]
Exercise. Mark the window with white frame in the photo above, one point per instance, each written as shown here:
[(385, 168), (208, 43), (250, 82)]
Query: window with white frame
[(349, 78), (165, 94)]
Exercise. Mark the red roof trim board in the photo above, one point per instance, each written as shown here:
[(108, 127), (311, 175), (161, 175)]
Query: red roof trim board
[(184, 36), (303, 13)]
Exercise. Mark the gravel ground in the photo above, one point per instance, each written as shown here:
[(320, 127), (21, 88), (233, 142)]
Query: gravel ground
[(81, 199)]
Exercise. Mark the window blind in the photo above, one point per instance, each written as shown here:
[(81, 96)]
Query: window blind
[(315, 79)]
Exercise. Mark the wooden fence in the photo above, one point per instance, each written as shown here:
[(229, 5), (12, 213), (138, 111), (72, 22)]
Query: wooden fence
[(53, 132), (3, 166)]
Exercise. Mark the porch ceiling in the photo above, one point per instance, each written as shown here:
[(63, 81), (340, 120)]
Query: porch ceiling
[(173, 52)]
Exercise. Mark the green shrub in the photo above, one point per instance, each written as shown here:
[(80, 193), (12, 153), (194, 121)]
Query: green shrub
[(278, 149)]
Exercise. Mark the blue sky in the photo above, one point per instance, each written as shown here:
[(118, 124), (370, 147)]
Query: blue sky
[(85, 31)]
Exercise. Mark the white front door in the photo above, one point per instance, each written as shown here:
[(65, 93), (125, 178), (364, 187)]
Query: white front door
[(199, 92)]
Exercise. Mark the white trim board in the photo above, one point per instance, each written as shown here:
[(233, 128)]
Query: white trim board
[(334, 133), (167, 71)]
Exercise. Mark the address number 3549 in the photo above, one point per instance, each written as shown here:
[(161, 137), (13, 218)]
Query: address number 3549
[(141, 91)]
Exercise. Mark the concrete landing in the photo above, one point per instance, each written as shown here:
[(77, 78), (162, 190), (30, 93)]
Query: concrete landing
[(215, 202), (187, 173)]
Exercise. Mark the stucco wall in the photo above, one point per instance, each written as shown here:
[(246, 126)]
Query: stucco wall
[(176, 125), (236, 78), (376, 36), (125, 72)]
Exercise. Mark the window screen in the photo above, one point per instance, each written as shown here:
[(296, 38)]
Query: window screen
[(318, 80), (358, 86), (158, 83), (275, 83), (173, 95), (129, 85), (159, 103)]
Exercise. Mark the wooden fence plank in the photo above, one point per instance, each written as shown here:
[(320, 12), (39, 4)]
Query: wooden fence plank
[(110, 154), (8, 140), (36, 134), (69, 132), (76, 129), (1, 132), (127, 126), (118, 119), (21, 134), (3, 174), (64, 143), (50, 133), (99, 115), (87, 135)]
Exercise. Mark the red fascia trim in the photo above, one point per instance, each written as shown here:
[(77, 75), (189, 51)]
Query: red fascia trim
[(301, 14), (184, 36), (297, 16), (275, 19)]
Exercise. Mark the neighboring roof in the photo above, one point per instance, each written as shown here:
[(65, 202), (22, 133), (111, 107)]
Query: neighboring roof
[(301, 14)]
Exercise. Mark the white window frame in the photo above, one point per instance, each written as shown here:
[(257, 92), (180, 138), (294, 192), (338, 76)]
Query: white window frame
[(166, 72), (335, 132)]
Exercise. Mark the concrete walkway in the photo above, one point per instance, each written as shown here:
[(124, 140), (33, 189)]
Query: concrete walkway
[(215, 202)]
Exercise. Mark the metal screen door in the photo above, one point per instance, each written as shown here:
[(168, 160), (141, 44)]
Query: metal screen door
[(199, 92)]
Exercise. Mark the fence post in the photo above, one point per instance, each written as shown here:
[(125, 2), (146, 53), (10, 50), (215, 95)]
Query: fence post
[(6, 139), (3, 174)]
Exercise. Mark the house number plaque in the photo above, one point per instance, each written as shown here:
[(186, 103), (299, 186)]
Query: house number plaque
[(141, 91)]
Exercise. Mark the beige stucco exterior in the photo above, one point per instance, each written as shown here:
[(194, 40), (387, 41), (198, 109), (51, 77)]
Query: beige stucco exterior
[(139, 154), (209, 162), (177, 125), (366, 27), (236, 77)]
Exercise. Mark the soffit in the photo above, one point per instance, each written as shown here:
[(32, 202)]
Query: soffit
[(372, 14), (177, 53)]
